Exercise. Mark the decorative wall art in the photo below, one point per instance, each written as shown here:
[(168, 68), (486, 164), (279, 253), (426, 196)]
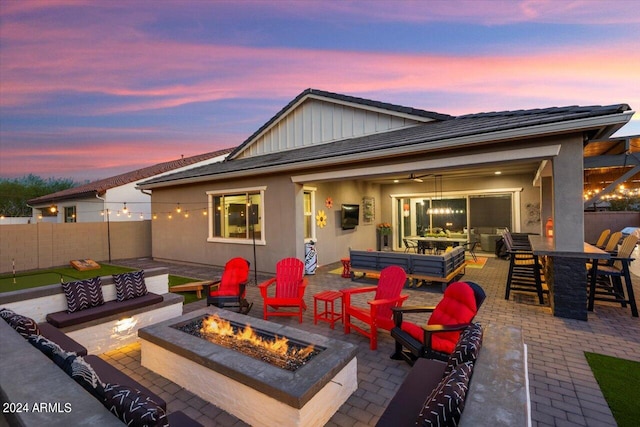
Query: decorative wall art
[(321, 219), (328, 203), (369, 209)]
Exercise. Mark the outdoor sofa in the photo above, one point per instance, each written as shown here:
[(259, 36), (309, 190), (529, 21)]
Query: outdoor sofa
[(443, 268)]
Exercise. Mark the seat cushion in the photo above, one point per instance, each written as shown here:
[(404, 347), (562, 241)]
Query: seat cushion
[(457, 306), (83, 294), (62, 319), (129, 285), (405, 405), (54, 334)]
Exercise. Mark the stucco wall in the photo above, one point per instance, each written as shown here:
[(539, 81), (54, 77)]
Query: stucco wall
[(184, 239), (45, 245)]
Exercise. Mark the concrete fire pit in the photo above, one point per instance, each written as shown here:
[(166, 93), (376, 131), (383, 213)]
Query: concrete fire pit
[(252, 390)]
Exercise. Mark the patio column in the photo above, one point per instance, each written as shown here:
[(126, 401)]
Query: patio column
[(565, 271), (568, 206)]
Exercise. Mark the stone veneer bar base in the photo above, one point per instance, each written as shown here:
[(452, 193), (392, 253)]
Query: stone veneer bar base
[(567, 281), (254, 391)]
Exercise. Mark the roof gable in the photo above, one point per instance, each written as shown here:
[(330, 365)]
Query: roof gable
[(318, 117), (428, 137)]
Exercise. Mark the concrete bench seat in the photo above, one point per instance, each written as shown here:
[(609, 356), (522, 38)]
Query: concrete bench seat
[(63, 319)]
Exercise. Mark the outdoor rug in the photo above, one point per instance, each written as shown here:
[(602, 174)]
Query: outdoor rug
[(476, 264)]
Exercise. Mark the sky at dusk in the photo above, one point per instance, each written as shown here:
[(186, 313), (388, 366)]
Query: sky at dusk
[(92, 89)]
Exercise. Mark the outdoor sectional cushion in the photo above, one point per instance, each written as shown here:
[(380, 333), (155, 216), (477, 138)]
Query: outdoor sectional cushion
[(83, 294), (109, 374), (133, 407), (424, 377), (129, 285), (62, 319), (54, 334)]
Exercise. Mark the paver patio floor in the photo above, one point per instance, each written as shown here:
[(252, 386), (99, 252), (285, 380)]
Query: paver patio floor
[(562, 387)]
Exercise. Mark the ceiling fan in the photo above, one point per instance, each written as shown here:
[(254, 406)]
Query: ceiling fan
[(417, 178)]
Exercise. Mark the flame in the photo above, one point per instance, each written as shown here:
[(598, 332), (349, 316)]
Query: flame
[(215, 325)]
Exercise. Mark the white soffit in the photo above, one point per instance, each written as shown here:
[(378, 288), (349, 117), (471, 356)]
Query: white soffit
[(533, 153)]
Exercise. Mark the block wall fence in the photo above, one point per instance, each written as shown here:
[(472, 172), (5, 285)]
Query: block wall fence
[(45, 245)]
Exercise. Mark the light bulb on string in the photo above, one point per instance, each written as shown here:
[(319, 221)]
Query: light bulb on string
[(125, 210), (178, 208)]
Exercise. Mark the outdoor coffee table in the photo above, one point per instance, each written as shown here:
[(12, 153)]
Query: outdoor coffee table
[(329, 314)]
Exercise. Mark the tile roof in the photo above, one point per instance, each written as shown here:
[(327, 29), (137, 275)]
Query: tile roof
[(99, 187), (344, 98), (428, 136)]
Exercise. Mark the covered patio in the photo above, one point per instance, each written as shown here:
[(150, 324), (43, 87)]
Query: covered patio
[(562, 387)]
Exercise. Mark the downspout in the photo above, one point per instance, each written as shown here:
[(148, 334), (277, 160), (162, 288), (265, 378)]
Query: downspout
[(108, 225)]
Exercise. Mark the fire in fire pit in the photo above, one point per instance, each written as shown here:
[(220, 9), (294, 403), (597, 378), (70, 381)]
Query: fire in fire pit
[(278, 351)]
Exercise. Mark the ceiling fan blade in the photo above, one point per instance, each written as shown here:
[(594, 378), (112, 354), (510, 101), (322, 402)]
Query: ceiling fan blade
[(418, 179)]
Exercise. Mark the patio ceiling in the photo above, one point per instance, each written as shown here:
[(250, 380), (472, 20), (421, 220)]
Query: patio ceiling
[(470, 172)]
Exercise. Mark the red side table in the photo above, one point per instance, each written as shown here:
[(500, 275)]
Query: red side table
[(329, 314), (346, 267)]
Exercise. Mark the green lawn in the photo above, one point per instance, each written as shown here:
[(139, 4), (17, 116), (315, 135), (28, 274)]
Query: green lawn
[(178, 280), (55, 275), (70, 274), (619, 380)]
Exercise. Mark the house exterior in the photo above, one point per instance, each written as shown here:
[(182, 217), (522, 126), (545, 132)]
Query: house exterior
[(296, 177), (115, 198)]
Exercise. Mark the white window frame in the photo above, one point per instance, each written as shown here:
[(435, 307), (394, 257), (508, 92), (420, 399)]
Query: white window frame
[(312, 191), (261, 190)]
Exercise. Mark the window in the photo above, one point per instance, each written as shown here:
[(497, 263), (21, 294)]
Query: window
[(70, 214), (309, 209), (236, 215)]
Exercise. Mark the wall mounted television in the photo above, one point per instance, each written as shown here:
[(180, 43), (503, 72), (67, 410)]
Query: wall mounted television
[(350, 216)]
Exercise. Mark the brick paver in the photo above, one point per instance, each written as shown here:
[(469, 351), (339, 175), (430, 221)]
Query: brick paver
[(562, 387)]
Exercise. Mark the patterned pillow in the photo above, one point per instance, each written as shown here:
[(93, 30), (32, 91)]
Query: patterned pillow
[(467, 348), (6, 313), (133, 407), (445, 404), (49, 348), (24, 325), (84, 375), (130, 285), (83, 294)]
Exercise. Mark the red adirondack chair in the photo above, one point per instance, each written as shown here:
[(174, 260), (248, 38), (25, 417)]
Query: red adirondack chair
[(378, 314), (438, 338), (289, 285), (231, 289)]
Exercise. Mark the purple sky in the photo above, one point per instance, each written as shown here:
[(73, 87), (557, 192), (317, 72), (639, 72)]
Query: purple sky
[(91, 89)]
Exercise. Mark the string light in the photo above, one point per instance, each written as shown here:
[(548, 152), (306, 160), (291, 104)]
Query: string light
[(178, 209), (125, 210)]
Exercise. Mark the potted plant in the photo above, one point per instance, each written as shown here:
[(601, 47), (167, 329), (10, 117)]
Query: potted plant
[(384, 231)]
